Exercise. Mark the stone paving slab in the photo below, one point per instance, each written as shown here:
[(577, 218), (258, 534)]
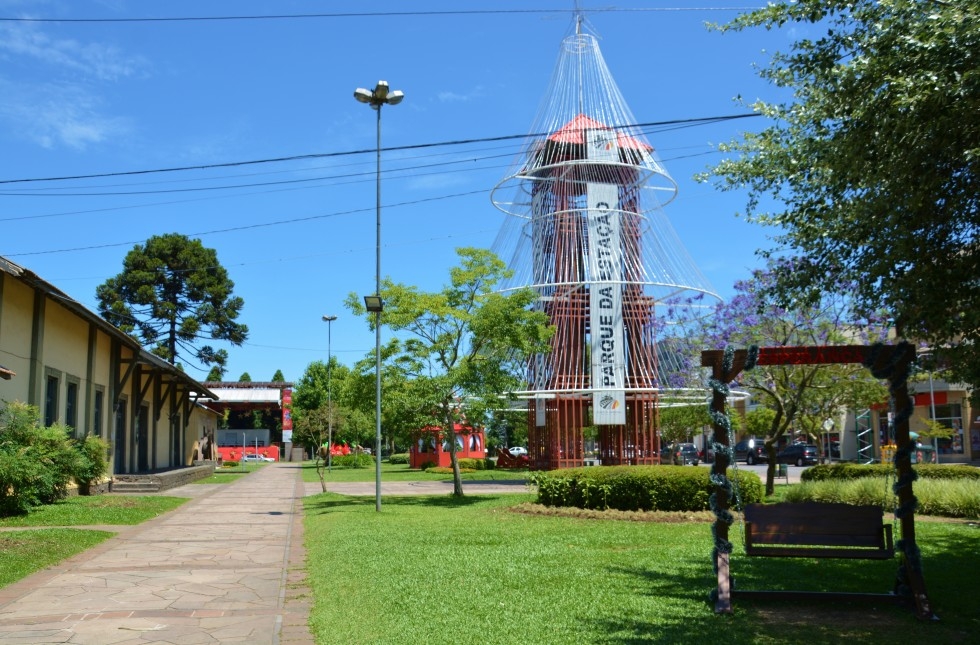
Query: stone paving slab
[(226, 567), (213, 571)]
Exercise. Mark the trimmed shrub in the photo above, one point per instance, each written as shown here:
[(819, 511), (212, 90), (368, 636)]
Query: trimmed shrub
[(426, 465), (638, 488), (845, 471), (470, 463), (399, 458), (92, 464), (353, 460), (36, 462), (950, 497), (229, 464)]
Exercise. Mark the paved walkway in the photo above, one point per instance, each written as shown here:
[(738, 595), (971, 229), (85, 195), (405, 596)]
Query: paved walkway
[(226, 567)]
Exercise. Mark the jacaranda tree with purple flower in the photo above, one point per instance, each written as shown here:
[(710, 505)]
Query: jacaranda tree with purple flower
[(802, 396)]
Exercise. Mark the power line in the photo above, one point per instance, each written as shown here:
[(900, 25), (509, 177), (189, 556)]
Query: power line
[(365, 14), (250, 226), (323, 155)]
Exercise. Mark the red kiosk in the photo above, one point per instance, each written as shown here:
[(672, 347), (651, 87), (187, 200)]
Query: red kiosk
[(430, 446)]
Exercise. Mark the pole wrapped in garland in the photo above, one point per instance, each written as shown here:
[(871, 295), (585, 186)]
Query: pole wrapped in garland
[(720, 499), (896, 367)]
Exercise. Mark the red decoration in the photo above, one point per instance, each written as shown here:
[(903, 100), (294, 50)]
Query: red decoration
[(812, 355)]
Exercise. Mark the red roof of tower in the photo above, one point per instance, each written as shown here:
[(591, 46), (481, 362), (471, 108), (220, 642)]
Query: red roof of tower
[(573, 132)]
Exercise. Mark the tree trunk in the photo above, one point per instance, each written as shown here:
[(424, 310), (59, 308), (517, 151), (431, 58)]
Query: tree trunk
[(319, 467), (770, 447), (172, 342), (457, 476)]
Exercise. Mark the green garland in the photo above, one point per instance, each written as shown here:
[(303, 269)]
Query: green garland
[(722, 484), (897, 373)]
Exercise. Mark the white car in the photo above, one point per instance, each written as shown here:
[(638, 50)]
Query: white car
[(258, 458), (517, 451)]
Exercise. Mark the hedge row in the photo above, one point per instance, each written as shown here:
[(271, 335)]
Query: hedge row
[(845, 471), (942, 497), (637, 488), (353, 460)]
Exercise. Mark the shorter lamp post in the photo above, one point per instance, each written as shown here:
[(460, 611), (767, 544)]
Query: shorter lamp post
[(375, 305), (328, 320)]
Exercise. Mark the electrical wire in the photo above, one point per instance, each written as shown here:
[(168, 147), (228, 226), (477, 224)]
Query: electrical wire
[(366, 14), (323, 155)]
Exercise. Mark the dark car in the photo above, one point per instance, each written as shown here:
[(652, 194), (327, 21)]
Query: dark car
[(681, 454), (801, 454), (753, 451)]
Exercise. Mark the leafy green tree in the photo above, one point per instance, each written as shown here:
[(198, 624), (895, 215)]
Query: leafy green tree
[(872, 164), (310, 397), (463, 347), (679, 422), (929, 429), (312, 431), (245, 378), (278, 377), (172, 295), (216, 375), (759, 421)]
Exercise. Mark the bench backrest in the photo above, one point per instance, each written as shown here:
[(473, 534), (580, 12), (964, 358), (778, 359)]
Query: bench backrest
[(814, 523)]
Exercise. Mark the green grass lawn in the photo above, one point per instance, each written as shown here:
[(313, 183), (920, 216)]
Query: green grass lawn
[(439, 570), (24, 552), (95, 510), (402, 473)]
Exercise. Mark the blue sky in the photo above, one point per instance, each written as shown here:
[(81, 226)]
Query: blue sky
[(84, 98)]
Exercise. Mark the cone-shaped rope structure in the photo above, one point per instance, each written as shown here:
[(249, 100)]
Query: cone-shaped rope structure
[(588, 233)]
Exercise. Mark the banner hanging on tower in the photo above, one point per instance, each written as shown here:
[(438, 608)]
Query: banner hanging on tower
[(606, 306)]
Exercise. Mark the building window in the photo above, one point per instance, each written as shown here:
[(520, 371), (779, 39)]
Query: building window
[(951, 416), (71, 405), (98, 408), (51, 400)]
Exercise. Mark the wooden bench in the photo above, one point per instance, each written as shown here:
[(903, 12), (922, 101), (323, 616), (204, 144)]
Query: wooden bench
[(814, 530)]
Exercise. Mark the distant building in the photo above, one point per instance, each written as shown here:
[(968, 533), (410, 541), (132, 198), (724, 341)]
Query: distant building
[(253, 414)]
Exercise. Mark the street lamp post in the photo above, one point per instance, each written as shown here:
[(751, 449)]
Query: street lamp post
[(375, 98), (328, 320)]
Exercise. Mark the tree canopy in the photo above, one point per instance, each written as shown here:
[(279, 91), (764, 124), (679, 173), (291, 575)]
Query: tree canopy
[(463, 347), (173, 295), (872, 165)]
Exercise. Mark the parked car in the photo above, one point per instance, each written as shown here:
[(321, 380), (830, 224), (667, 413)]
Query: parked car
[(801, 454), (681, 454), (752, 450), (517, 451), (257, 458)]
